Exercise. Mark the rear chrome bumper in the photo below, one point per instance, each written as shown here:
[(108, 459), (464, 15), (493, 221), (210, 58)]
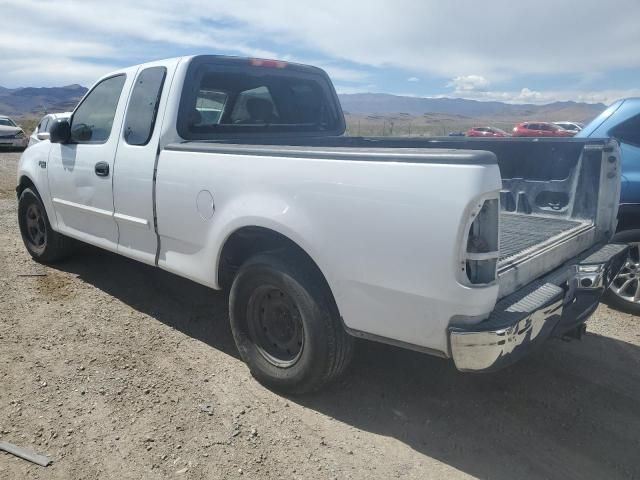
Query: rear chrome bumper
[(550, 307)]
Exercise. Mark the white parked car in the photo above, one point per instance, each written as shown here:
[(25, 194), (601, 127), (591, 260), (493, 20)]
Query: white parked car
[(475, 250), (41, 132), (11, 134), (572, 126)]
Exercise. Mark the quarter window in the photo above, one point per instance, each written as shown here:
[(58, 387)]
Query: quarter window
[(143, 106), (93, 119)]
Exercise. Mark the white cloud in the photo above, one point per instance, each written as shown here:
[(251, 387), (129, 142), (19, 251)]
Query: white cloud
[(527, 95), (469, 83), (46, 71), (446, 39), (71, 43), (350, 89), (441, 38), (341, 74), (413, 79)]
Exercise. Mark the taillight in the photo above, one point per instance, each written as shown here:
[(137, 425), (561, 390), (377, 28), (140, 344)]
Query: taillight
[(261, 62), (480, 257)]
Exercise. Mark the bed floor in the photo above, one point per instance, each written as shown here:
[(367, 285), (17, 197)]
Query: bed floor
[(519, 232)]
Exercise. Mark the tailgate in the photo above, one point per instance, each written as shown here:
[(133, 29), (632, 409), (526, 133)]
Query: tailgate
[(558, 199)]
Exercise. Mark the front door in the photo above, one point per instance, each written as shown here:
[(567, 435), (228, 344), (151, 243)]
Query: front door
[(80, 172)]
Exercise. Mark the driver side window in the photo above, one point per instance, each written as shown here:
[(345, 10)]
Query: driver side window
[(93, 119)]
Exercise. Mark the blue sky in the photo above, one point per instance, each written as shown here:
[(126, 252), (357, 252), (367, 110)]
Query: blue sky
[(516, 52)]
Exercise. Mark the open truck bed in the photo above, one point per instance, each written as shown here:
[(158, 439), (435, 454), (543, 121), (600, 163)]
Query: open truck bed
[(557, 197)]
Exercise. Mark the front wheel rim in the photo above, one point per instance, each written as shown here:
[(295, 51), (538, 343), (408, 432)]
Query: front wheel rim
[(275, 326), (35, 226), (627, 284)]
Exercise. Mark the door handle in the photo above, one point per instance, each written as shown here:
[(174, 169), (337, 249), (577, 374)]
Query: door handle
[(102, 169)]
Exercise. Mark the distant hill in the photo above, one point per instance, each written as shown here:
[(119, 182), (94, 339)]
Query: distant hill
[(32, 101), (385, 114), (383, 103)]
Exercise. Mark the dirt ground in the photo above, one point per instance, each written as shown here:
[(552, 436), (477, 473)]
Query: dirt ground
[(118, 370)]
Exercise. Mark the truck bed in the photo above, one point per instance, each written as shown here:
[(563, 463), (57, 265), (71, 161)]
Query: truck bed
[(554, 201), (521, 232)]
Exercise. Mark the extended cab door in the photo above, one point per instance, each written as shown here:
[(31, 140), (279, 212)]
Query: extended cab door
[(133, 188), (80, 172)]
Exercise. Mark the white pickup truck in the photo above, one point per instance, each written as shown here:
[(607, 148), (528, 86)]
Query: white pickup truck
[(234, 173)]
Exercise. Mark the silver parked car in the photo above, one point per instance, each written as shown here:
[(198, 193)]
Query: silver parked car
[(572, 126), (11, 134), (41, 132)]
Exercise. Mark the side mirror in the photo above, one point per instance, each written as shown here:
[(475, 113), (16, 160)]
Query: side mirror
[(43, 136), (60, 132)]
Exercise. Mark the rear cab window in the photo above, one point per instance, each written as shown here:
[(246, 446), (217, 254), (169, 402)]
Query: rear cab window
[(234, 97)]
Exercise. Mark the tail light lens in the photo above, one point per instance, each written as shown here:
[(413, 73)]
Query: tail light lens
[(482, 250)]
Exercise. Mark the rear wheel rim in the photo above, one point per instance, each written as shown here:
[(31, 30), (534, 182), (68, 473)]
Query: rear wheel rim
[(36, 228), (275, 326), (627, 284)]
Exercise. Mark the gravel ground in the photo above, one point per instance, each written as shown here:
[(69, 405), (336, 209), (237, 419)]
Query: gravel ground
[(118, 370)]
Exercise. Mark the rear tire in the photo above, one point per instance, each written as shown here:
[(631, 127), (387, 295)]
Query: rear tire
[(286, 325), (43, 243)]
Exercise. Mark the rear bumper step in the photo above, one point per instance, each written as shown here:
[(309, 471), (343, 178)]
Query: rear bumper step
[(543, 309)]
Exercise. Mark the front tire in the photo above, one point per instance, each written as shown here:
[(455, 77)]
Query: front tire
[(43, 243), (286, 325)]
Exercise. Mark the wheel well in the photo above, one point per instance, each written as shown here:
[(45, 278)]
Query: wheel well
[(249, 241), (25, 182)]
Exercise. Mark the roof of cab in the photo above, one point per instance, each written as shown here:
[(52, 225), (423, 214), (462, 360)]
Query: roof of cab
[(232, 60)]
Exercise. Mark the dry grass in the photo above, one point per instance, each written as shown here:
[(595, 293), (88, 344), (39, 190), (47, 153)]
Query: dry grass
[(28, 123), (431, 124)]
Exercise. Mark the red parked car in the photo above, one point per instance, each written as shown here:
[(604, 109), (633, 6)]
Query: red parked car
[(486, 132), (540, 129)]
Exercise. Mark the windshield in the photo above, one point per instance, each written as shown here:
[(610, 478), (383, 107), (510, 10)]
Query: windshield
[(593, 125), (7, 122)]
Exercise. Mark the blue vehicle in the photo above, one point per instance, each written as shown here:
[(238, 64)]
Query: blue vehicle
[(622, 121)]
